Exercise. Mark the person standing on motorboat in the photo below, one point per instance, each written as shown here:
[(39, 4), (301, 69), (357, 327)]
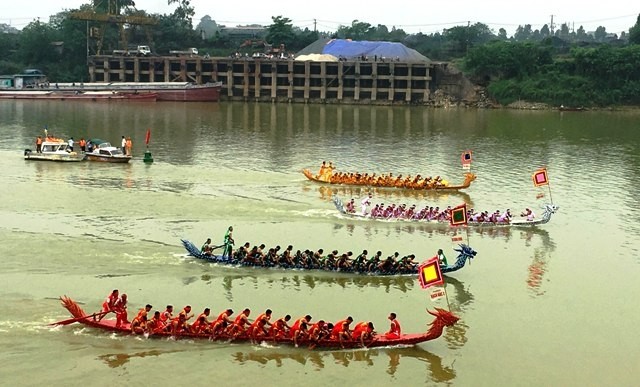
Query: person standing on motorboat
[(70, 142), (124, 145)]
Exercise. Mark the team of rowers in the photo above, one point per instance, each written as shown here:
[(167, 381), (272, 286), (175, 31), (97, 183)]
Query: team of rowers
[(327, 174), (308, 259), (225, 326), (427, 213)]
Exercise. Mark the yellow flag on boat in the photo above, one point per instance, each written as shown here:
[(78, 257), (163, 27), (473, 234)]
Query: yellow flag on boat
[(429, 273), (540, 177)]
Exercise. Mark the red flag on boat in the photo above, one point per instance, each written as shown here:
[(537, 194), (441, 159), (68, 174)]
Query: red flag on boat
[(456, 238), (429, 273), (540, 177), (466, 157), (459, 215), (148, 136)]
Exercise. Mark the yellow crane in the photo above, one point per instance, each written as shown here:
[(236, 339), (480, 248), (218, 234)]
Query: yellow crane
[(109, 12)]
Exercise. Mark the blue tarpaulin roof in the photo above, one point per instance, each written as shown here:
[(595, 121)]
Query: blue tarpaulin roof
[(349, 49)]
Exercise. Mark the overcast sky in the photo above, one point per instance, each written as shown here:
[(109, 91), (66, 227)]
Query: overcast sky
[(412, 16)]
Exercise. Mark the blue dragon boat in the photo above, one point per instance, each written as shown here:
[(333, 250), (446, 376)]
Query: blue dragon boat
[(302, 261)]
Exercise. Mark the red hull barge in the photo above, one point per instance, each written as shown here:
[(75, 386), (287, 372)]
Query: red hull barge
[(79, 96), (443, 318), (165, 91)]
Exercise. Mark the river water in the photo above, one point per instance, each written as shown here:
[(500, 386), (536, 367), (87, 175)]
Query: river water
[(549, 306)]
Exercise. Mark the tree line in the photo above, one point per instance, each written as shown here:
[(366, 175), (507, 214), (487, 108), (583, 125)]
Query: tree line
[(561, 66)]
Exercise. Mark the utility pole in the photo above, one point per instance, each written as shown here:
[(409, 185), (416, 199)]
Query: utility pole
[(315, 22), (551, 26)]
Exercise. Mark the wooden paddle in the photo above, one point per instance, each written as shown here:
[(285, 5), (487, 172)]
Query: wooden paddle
[(72, 320)]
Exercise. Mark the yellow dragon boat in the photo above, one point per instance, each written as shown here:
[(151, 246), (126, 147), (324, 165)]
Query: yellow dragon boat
[(330, 176)]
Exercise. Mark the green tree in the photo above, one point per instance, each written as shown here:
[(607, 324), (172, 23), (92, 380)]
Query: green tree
[(207, 27), (183, 14), (357, 31), (36, 49), (502, 34), (634, 32), (280, 31), (545, 32), (465, 37), (563, 32), (600, 34), (581, 35), (113, 7), (523, 33)]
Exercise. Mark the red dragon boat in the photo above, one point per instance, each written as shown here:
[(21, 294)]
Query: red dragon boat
[(443, 318)]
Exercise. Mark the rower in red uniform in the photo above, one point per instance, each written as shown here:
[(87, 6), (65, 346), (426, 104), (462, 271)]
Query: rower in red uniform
[(239, 323), (363, 331), (296, 325), (146, 310), (139, 324), (155, 325), (186, 311), (394, 331), (201, 324), (179, 325), (318, 332), (341, 330), (107, 305), (259, 326), (218, 328), (301, 331), (120, 309), (225, 316), (280, 328), (167, 316)]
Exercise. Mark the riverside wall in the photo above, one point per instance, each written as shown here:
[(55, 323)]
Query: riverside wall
[(277, 80)]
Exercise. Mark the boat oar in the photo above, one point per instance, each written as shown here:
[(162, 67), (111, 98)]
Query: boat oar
[(72, 320)]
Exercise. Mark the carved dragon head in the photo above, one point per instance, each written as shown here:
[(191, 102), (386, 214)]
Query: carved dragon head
[(466, 251), (444, 318), (469, 177), (72, 307), (551, 208)]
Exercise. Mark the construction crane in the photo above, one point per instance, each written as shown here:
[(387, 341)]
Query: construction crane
[(108, 12)]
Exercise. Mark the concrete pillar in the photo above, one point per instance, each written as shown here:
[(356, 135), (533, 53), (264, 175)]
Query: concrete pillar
[(340, 82), (307, 76), (356, 90), (245, 83), (274, 81), (230, 80), (323, 76), (290, 78), (256, 80), (136, 70), (392, 82), (407, 96), (374, 81)]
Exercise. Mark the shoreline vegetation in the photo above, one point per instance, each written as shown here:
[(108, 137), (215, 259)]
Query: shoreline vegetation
[(534, 69)]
